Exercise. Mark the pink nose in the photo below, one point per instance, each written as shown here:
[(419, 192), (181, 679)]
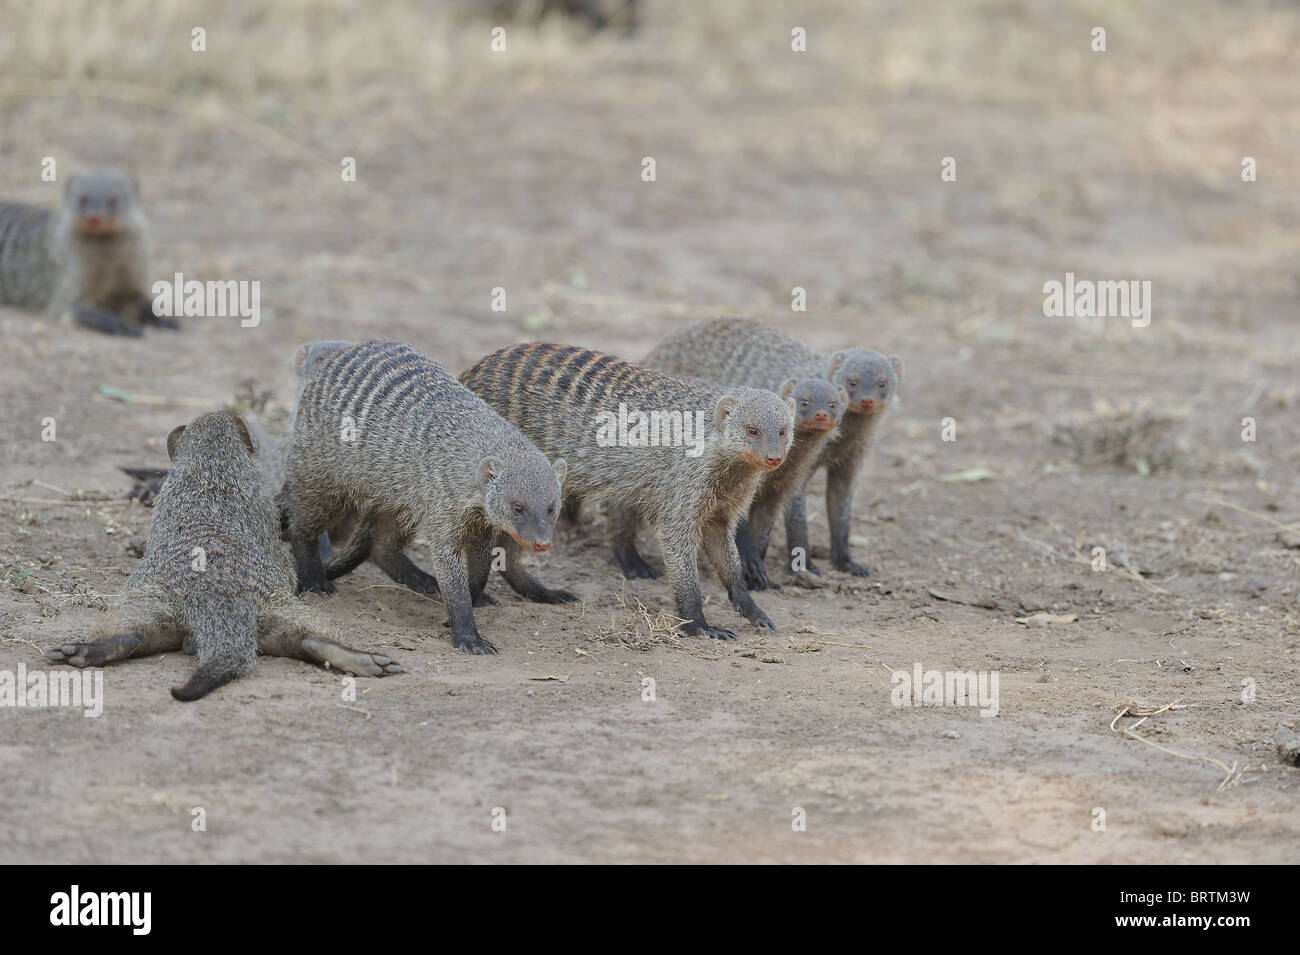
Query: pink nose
[(540, 546), (92, 221), (820, 416), (867, 403), (773, 462)]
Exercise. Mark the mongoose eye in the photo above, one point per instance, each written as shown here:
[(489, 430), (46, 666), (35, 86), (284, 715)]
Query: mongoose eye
[(881, 383), (518, 508), (752, 431), (781, 433), (853, 382), (551, 509), (803, 402)]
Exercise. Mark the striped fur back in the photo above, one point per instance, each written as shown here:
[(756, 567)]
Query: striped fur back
[(28, 274)]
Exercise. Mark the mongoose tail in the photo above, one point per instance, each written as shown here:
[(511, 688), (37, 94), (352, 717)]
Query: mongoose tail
[(222, 637)]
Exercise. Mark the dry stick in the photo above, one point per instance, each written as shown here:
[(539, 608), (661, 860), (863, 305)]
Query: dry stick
[(1230, 771), (851, 646), (1245, 510), (1133, 575)]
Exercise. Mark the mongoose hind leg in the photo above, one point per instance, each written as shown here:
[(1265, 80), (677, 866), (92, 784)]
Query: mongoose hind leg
[(306, 524), (839, 510), (292, 630), (355, 550), (751, 559), (720, 546), (141, 626), (389, 554), (102, 320), (623, 523), (796, 533), (524, 584)]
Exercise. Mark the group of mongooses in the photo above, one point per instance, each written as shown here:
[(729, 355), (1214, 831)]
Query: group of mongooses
[(385, 445)]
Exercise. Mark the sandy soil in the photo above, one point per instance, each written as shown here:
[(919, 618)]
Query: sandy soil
[(774, 170)]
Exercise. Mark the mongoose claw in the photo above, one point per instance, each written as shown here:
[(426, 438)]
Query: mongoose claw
[(102, 320), (149, 317), (317, 587), (473, 644), (849, 566), (485, 600), (549, 596), (756, 578), (812, 568), (705, 630)]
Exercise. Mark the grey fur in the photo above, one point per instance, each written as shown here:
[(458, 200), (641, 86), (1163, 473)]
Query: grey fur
[(386, 433)]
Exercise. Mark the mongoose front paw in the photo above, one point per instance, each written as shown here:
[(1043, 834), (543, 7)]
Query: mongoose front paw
[(705, 630), (321, 586), (102, 320), (849, 566), (756, 578), (473, 644), (485, 600), (549, 596), (811, 568)]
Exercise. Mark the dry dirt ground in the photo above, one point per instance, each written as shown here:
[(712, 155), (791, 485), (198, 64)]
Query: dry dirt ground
[(775, 169)]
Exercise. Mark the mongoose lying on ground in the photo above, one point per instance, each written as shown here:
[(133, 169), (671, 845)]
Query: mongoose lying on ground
[(89, 256), (731, 352), (215, 578), (562, 398), (736, 349), (387, 433)]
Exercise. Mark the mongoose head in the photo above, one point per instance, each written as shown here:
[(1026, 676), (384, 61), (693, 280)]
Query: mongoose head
[(756, 425), (818, 404), (214, 432), (521, 496), (868, 377), (100, 202)]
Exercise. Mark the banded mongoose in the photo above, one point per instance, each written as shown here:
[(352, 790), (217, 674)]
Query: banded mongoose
[(215, 578), (731, 352), (731, 349), (561, 397), (385, 431), (90, 256)]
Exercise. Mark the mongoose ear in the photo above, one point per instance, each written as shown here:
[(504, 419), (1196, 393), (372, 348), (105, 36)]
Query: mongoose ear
[(241, 429), (172, 439), (836, 360), (300, 358), (561, 467), (725, 406), (898, 366), (787, 388), (487, 470)]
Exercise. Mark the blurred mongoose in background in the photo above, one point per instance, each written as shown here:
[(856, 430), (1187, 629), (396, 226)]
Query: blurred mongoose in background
[(90, 256), (386, 433), (215, 579), (689, 476), (732, 352)]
